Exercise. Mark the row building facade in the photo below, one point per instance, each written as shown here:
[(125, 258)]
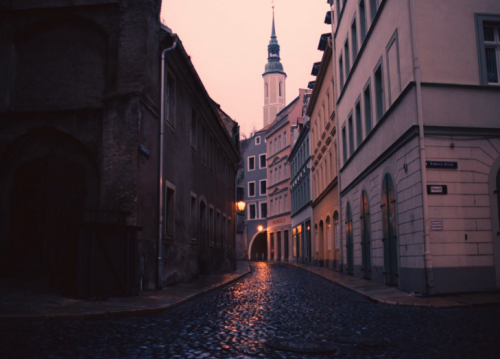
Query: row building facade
[(417, 99), (81, 127)]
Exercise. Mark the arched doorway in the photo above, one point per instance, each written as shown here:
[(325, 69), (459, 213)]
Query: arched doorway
[(47, 194), (48, 182), (271, 245), (349, 240), (316, 244), (308, 241), (328, 234), (336, 239), (366, 265), (389, 224), (321, 236), (278, 245), (258, 247)]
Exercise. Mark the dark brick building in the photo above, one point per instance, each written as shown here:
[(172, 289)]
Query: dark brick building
[(80, 108)]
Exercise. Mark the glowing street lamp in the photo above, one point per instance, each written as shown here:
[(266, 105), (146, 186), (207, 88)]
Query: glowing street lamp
[(240, 207), (260, 228)]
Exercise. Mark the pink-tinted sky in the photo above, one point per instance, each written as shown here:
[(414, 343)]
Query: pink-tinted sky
[(227, 41)]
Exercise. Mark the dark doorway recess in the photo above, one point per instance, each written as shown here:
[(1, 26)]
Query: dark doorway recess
[(349, 241), (278, 244), (285, 239), (390, 239), (259, 247), (366, 265), (47, 194)]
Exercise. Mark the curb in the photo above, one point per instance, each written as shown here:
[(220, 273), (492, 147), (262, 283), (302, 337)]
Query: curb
[(388, 302), (100, 315)]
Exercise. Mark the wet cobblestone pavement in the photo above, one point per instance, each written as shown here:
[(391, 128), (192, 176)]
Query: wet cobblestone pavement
[(274, 301)]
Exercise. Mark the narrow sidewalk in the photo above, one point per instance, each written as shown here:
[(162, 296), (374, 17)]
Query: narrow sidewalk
[(23, 306), (381, 293)]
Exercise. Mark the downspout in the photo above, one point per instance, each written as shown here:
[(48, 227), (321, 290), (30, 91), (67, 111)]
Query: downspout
[(161, 204), (429, 275), (337, 155)]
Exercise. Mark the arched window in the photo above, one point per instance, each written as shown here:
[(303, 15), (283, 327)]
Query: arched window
[(267, 90), (329, 233), (280, 88)]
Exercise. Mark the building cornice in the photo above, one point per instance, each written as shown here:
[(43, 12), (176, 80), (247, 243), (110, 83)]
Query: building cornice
[(325, 192), (325, 64), (285, 214), (304, 207), (411, 133)]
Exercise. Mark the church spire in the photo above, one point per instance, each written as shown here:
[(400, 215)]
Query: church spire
[(273, 50), (273, 33)]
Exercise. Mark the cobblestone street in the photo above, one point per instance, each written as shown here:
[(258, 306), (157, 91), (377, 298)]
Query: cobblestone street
[(275, 300)]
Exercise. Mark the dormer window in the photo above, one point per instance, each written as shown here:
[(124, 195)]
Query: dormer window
[(257, 140)]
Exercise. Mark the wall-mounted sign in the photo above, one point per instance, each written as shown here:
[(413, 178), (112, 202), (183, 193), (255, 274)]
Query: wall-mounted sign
[(280, 220), (441, 164), (437, 189), (436, 225)]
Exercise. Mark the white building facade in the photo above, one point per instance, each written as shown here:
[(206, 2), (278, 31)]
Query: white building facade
[(417, 111)]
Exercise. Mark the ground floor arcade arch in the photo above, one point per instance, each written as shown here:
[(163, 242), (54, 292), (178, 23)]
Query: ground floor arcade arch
[(258, 246)]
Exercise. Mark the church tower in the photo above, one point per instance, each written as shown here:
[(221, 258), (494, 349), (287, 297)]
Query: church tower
[(274, 81)]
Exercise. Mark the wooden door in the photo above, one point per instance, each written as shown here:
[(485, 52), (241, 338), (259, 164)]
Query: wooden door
[(390, 238), (48, 193), (366, 265), (349, 241)]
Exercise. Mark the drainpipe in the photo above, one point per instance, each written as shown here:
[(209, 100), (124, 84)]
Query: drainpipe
[(337, 124), (429, 275), (161, 204)]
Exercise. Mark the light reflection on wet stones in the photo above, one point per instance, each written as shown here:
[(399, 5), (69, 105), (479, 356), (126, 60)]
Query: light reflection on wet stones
[(274, 301)]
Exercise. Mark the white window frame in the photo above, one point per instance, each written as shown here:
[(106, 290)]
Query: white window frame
[(265, 162), (260, 187), (494, 22), (254, 189), (260, 209), (257, 140), (248, 163), (256, 213), (379, 106)]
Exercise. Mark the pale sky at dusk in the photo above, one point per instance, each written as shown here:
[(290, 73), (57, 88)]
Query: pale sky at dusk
[(227, 41)]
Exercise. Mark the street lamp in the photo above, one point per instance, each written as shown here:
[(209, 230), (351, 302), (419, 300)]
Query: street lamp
[(240, 207), (260, 228)]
